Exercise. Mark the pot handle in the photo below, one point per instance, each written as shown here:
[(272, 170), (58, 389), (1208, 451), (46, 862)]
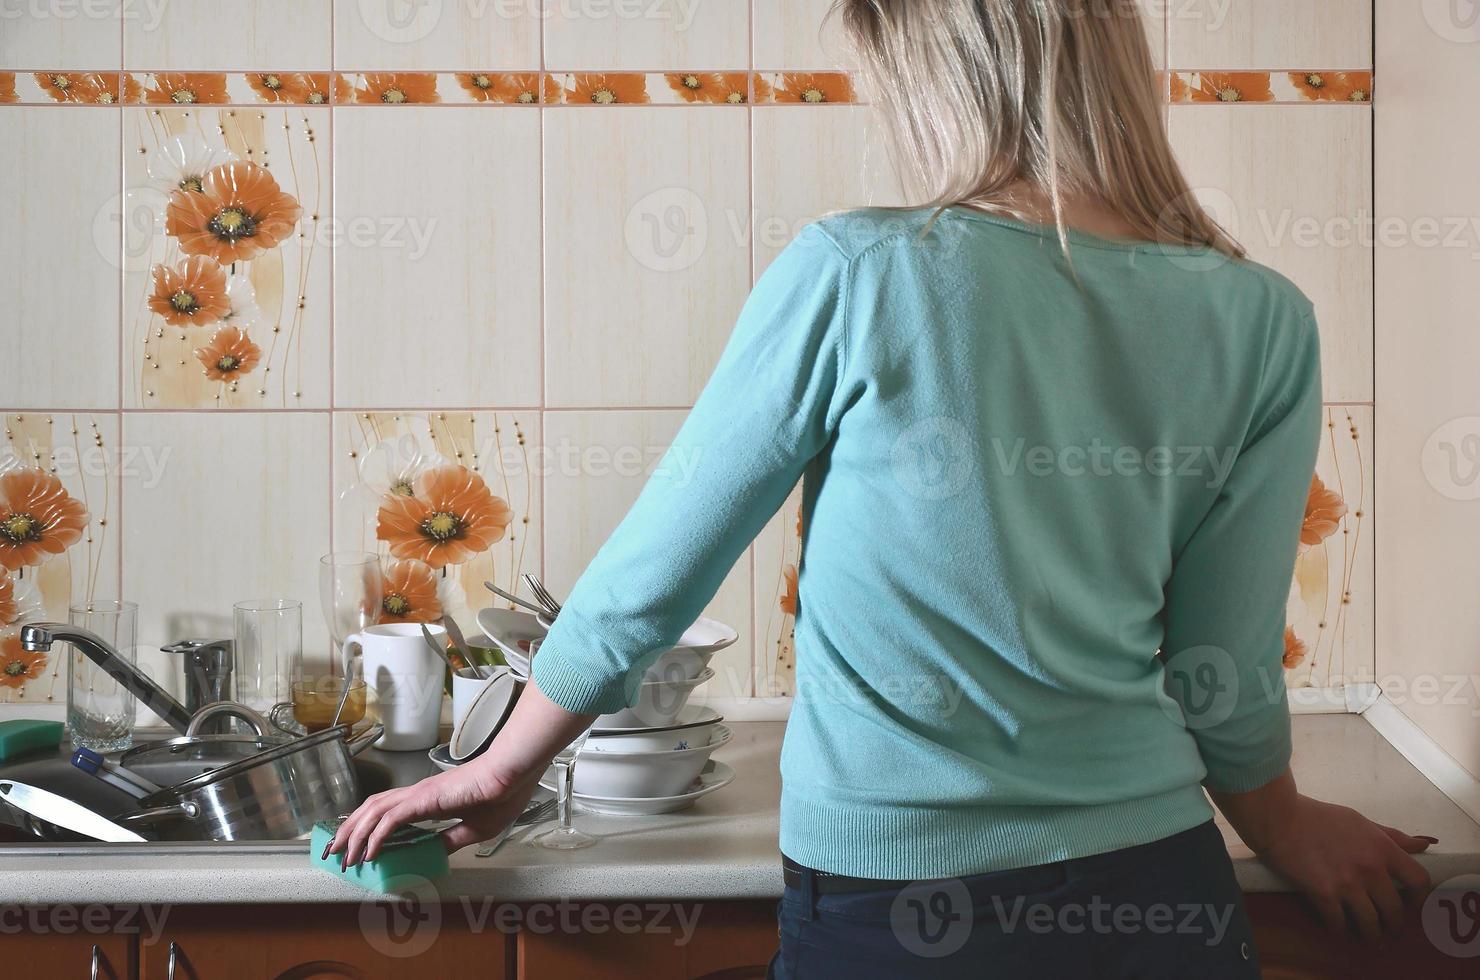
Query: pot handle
[(365, 739), (252, 718), (155, 814)]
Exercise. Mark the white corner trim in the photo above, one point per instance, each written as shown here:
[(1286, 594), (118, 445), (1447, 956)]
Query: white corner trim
[(1350, 699), (1414, 744)]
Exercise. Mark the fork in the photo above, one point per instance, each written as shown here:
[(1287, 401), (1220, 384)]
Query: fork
[(534, 813), (542, 594)]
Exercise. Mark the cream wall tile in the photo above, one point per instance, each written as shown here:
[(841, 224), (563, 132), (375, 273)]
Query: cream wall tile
[(222, 507), (1270, 33), (1333, 596), (811, 163), (797, 34), (371, 448), (287, 318), (1154, 19), (190, 35), (646, 224), (448, 35), (591, 35), (59, 257), (59, 36), (1294, 184), (1428, 467), (437, 300), (597, 463), (83, 452)]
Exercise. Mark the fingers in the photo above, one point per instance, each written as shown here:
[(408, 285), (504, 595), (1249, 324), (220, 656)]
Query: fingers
[(1414, 876), (1363, 914), (1331, 912), (1387, 901), (1411, 844), (460, 836)]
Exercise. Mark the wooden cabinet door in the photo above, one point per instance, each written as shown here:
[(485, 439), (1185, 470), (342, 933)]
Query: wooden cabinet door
[(374, 941), (1294, 945), (60, 942), (647, 940)]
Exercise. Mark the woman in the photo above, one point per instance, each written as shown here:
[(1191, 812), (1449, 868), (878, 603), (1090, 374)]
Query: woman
[(1055, 436)]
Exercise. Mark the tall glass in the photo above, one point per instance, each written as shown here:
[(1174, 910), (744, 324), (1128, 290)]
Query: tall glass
[(100, 712), (269, 647), (349, 591), (565, 837)]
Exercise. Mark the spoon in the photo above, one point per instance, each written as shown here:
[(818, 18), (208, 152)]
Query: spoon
[(515, 599), (436, 647), (458, 642)]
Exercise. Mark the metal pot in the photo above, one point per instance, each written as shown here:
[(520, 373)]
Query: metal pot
[(277, 793)]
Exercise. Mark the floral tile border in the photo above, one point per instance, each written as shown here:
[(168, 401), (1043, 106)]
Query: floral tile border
[(63, 88), (1306, 85)]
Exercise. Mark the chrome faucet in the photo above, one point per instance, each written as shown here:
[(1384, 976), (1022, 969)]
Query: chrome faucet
[(38, 637), (206, 665)]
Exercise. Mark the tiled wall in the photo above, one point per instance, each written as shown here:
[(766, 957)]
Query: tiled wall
[(516, 235)]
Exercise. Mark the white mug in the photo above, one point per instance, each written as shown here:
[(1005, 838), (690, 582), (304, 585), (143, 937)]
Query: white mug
[(403, 681), (466, 684)]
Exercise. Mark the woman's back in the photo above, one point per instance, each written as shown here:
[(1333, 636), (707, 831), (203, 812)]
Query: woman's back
[(1023, 478)]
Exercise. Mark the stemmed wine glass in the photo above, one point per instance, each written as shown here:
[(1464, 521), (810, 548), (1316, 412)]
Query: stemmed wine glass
[(349, 590), (564, 836)]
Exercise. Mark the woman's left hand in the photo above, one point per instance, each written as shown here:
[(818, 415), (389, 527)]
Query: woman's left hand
[(485, 803)]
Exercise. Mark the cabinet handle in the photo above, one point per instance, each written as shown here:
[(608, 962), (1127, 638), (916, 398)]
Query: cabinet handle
[(170, 969), (96, 954)]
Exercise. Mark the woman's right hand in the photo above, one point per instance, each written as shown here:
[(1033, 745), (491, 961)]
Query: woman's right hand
[(1347, 866)]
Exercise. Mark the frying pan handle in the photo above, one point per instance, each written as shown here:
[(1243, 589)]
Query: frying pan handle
[(256, 721), (155, 814)]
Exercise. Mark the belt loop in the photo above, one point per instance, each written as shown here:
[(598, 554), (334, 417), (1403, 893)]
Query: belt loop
[(809, 894)]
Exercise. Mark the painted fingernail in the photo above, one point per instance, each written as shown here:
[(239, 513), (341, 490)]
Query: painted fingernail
[(1431, 840), (327, 848)]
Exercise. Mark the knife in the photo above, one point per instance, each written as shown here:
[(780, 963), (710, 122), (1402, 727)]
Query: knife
[(58, 810)]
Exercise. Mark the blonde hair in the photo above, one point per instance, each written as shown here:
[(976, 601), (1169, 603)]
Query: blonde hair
[(982, 96)]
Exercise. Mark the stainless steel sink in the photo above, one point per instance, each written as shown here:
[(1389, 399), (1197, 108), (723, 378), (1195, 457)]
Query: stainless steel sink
[(377, 771)]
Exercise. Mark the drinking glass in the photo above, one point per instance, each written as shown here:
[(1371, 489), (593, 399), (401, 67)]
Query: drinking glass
[(349, 591), (100, 712), (565, 837), (269, 650)]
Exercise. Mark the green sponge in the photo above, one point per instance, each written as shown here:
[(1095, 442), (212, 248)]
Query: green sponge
[(21, 735), (409, 857)]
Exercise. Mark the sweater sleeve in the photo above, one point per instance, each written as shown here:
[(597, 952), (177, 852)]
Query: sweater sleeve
[(769, 408), (1225, 604)]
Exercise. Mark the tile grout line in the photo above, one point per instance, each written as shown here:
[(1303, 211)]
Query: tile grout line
[(333, 277), (122, 284), (544, 325), (750, 185)]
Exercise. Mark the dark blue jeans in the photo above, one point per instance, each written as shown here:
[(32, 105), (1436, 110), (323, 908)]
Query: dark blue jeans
[(1168, 909)]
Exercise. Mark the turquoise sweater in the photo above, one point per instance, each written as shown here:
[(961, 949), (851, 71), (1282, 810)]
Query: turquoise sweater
[(1051, 514)]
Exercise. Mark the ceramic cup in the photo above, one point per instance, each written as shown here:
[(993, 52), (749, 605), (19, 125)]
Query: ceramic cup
[(403, 679), (466, 684)]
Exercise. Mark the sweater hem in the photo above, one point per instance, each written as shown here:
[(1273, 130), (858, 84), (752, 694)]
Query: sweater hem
[(919, 843)]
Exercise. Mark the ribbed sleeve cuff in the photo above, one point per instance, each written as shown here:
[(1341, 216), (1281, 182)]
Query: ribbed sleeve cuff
[(1250, 776)]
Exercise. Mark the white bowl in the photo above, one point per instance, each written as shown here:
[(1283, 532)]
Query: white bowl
[(691, 654), (643, 775), (658, 703), (695, 725), (714, 776), (485, 715), (512, 632)]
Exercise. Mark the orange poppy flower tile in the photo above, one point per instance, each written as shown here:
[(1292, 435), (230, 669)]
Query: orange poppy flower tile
[(396, 88), (500, 88), (227, 279), (1260, 86), (1332, 86), (605, 88), (706, 88), (7, 87), (184, 88), (808, 88)]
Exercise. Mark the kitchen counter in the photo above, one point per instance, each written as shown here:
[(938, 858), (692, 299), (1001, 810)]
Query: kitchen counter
[(722, 848)]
